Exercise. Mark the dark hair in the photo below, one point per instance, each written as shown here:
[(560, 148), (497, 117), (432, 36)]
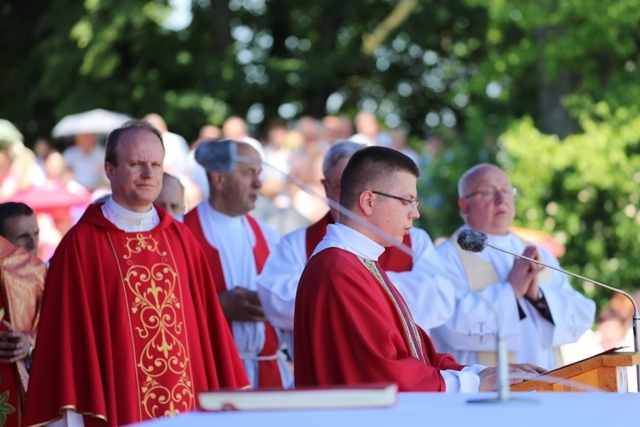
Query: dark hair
[(371, 167), (10, 210), (114, 138)]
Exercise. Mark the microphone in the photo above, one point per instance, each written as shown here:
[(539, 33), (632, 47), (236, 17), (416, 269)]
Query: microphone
[(221, 156), (475, 241), (217, 156)]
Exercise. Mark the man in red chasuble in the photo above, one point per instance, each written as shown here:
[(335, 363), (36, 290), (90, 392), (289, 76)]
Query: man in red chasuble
[(131, 328), (21, 283), (351, 325)]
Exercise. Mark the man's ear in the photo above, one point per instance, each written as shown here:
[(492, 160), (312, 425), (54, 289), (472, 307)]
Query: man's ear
[(366, 201), (463, 204), (108, 170), (217, 180)]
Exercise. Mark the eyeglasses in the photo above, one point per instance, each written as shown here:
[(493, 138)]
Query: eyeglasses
[(492, 194), (407, 202)]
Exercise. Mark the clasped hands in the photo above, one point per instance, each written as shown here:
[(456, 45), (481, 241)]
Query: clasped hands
[(524, 274), (241, 304)]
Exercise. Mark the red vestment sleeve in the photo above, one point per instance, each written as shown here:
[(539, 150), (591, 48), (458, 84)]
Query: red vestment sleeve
[(348, 331)]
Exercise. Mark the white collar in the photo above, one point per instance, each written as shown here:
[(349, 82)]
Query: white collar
[(341, 236), (220, 218), (127, 220)]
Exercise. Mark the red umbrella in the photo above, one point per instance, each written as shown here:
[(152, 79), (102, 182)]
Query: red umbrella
[(539, 238), (50, 198)]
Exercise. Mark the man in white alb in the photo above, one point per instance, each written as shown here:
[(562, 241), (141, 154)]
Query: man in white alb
[(237, 246), (539, 308)]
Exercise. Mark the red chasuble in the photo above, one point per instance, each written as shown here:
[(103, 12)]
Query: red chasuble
[(392, 259), (21, 285), (352, 326), (268, 370), (131, 328)]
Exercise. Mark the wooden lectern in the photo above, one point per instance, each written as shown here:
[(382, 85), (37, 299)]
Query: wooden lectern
[(605, 371)]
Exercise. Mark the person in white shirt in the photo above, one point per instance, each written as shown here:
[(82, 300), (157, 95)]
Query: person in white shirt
[(540, 310), (236, 246), (86, 160)]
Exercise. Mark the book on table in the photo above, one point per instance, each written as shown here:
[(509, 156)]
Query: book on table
[(351, 396)]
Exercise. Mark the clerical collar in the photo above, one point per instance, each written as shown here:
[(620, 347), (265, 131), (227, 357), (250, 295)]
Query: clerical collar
[(341, 236), (127, 220), (222, 219)]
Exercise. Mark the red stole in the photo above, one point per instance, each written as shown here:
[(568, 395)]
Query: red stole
[(392, 259), (158, 335), (268, 370), (411, 331)]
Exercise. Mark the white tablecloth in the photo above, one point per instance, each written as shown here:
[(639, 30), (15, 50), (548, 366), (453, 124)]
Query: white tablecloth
[(442, 409)]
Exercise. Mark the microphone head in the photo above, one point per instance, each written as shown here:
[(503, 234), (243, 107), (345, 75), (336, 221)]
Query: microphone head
[(217, 156), (472, 240)]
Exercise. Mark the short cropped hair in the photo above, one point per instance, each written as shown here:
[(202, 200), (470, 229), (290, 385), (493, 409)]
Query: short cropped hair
[(114, 138), (10, 210), (370, 168)]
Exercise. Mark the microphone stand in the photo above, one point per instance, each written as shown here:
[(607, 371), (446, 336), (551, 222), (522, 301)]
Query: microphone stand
[(503, 364), (501, 342), (636, 315)]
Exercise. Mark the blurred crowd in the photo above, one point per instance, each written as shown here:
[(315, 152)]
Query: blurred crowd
[(59, 185)]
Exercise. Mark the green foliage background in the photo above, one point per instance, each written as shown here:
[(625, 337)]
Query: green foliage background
[(546, 89)]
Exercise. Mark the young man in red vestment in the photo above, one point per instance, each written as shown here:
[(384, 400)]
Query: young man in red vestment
[(237, 246), (131, 328), (351, 325), (22, 279), (429, 295)]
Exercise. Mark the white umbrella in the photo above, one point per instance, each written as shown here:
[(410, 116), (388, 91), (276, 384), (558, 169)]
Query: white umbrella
[(9, 133), (95, 121)]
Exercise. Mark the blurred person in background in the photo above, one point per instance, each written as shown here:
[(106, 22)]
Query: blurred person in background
[(171, 197)]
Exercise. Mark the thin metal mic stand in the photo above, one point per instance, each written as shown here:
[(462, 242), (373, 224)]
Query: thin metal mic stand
[(503, 365), (636, 315)]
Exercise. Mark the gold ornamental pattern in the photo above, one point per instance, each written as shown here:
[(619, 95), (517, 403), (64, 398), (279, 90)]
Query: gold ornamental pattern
[(157, 321)]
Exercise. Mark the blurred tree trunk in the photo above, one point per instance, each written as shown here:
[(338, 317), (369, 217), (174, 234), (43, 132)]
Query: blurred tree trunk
[(554, 118)]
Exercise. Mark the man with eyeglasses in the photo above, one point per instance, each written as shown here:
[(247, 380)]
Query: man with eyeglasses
[(539, 308), (429, 295), (351, 325)]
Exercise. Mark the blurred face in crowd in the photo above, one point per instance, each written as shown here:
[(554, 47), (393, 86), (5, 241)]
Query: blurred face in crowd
[(137, 179), (23, 231), (331, 183), (235, 193), (488, 201), (171, 196)]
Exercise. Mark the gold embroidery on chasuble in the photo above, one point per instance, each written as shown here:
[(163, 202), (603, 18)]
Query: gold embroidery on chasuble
[(410, 329), (151, 287)]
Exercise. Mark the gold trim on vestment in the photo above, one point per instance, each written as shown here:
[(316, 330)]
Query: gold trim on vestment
[(164, 378), (408, 324)]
